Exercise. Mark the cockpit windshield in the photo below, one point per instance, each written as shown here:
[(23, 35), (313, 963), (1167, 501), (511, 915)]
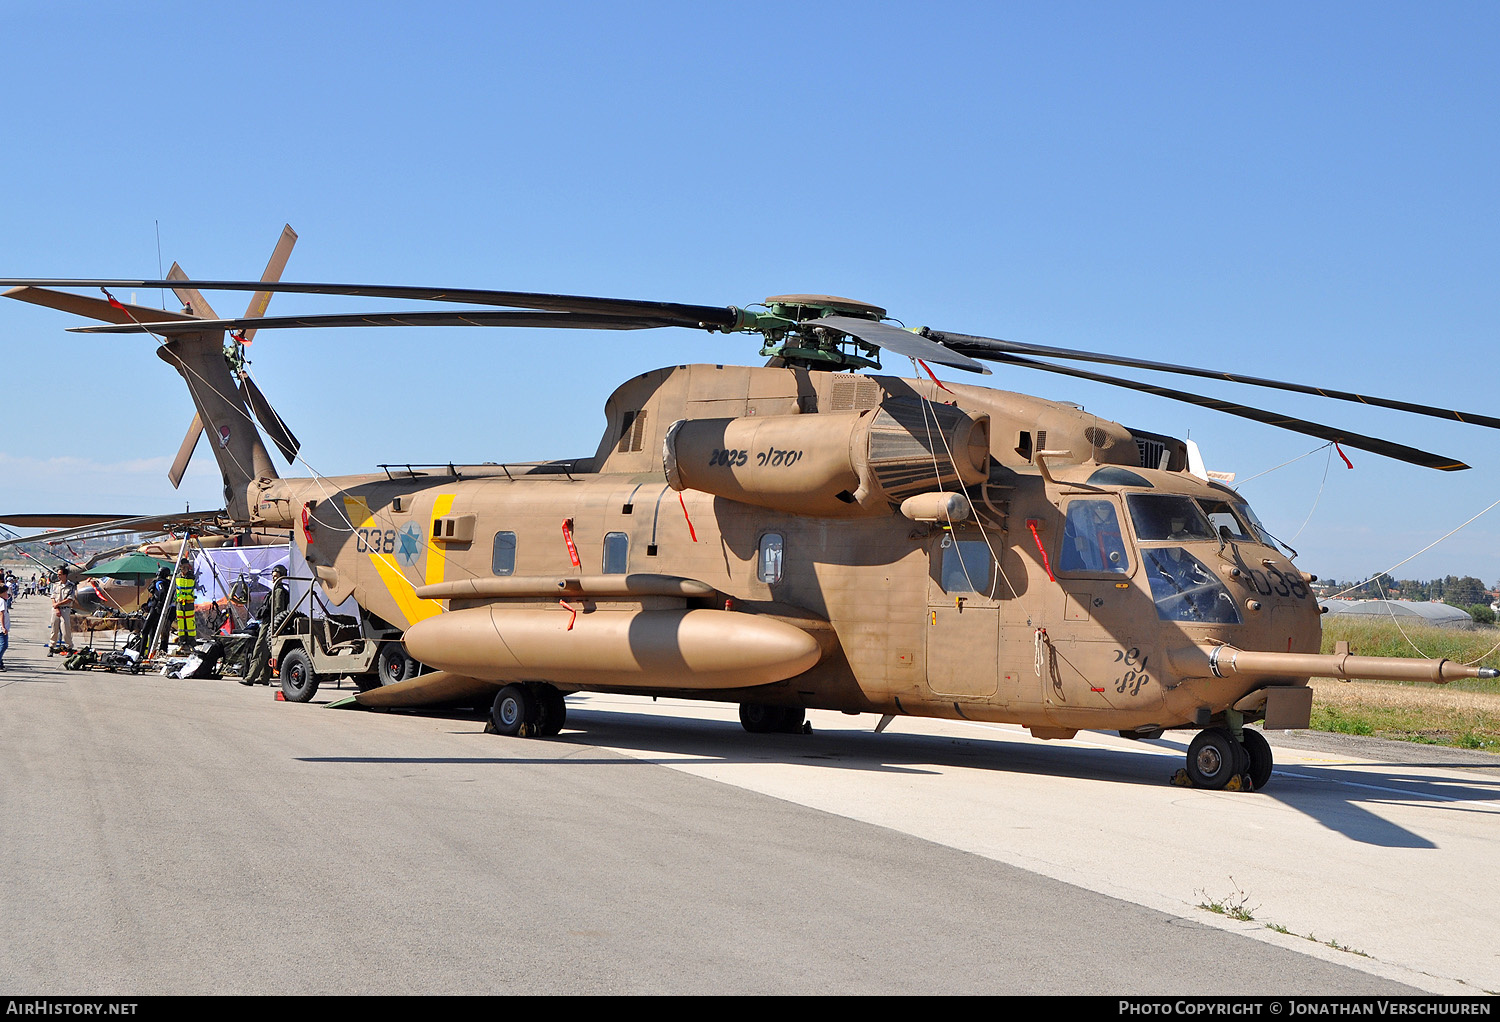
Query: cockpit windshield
[(1185, 590), (1161, 516), (1225, 522), (1262, 533)]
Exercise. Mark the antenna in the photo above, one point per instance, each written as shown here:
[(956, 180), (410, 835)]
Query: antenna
[(158, 263)]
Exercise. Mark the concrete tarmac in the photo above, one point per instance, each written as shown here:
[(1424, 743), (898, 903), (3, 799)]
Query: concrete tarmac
[(178, 837)]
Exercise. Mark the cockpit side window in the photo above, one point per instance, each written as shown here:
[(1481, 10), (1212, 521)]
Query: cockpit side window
[(1166, 517), (1092, 541)]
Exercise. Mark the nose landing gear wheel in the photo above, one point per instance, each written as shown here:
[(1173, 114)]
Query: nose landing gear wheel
[(1213, 758), (1259, 752)]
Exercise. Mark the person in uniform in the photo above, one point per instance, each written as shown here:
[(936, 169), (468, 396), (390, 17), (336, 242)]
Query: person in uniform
[(64, 596), (259, 672), (187, 606), (5, 598)]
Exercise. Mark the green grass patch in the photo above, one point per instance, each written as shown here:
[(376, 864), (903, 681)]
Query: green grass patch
[(1329, 718), (1381, 637), (1462, 714)]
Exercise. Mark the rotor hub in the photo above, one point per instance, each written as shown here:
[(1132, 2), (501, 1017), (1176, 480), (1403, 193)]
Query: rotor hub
[(801, 307)]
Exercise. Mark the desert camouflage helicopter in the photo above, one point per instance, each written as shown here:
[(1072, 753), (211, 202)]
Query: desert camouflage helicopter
[(803, 534)]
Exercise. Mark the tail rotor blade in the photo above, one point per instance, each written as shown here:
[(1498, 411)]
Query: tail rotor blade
[(280, 435), (191, 297), (279, 255), (185, 452)]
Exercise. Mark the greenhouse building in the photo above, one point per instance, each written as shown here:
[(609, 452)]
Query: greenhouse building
[(1434, 614)]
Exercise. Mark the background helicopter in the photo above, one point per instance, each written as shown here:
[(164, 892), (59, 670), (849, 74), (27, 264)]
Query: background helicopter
[(856, 542)]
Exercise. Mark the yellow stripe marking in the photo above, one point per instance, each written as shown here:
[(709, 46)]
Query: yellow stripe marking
[(437, 557), (401, 589)]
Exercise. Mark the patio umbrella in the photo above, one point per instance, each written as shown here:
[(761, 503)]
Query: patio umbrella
[(133, 566)]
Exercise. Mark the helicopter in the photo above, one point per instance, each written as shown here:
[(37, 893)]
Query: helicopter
[(810, 533)]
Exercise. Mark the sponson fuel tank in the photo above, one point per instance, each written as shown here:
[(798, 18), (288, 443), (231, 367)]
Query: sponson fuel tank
[(614, 648)]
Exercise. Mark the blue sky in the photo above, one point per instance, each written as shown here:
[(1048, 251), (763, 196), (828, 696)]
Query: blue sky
[(1300, 191)]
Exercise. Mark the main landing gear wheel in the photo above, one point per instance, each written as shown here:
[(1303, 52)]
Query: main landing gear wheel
[(514, 709), (1214, 758), (763, 719), (554, 711), (533, 710), (298, 682), (1259, 752)]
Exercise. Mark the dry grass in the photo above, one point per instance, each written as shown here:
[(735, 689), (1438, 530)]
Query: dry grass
[(1429, 714)]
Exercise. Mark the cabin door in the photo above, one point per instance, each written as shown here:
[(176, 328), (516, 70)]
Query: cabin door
[(963, 618)]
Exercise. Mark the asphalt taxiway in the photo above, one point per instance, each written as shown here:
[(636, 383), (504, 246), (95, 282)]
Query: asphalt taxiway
[(164, 836)]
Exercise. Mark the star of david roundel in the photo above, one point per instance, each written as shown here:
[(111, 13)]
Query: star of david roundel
[(409, 541)]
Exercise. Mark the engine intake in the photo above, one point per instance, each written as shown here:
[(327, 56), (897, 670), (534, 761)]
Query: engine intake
[(835, 464)]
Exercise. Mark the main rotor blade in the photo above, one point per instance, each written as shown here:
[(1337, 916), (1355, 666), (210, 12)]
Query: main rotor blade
[(91, 308), (981, 346), (285, 442), (45, 521), (902, 342), (471, 317), (149, 523), (1374, 445), (185, 452), (672, 313)]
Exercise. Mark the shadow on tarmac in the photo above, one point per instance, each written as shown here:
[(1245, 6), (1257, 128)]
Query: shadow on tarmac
[(1336, 795)]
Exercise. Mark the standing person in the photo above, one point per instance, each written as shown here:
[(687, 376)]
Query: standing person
[(64, 596), (187, 610), (259, 672), (5, 599)]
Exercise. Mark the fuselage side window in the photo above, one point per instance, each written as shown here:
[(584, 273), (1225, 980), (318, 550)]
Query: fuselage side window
[(616, 553), (768, 562), (1092, 541), (965, 566), (503, 560)]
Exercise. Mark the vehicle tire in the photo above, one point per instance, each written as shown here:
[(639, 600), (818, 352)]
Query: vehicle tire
[(553, 711), (1261, 760), (761, 718), (1213, 758), (298, 682), (514, 709), (394, 664)]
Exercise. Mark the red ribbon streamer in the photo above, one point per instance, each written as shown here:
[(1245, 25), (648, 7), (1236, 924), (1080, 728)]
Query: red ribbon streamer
[(567, 527), (1031, 524), (691, 531), (939, 382), (1347, 462)]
